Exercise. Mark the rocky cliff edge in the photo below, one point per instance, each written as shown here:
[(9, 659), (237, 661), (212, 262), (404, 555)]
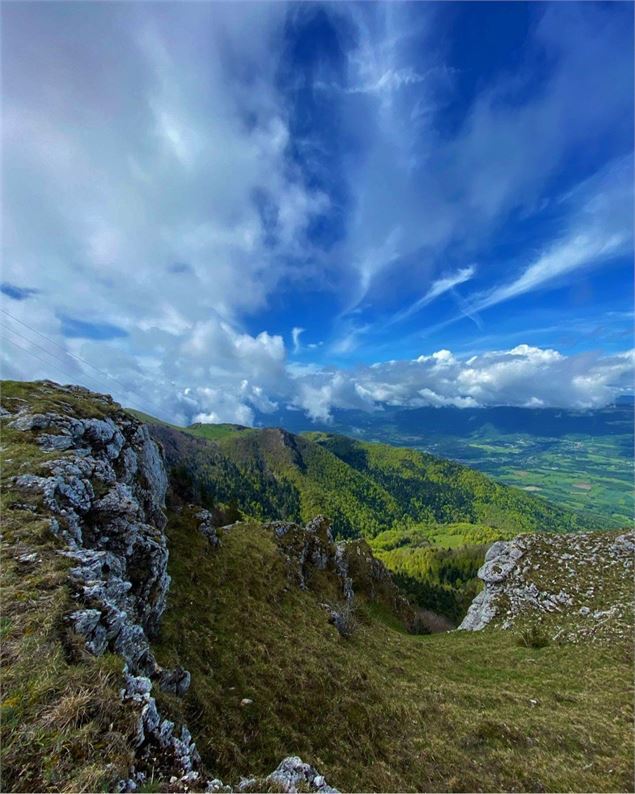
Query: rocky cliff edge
[(96, 476)]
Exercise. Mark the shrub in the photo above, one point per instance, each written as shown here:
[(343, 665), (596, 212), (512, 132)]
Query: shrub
[(533, 637)]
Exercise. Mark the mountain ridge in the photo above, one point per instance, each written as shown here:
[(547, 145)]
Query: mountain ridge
[(276, 452), (169, 632)]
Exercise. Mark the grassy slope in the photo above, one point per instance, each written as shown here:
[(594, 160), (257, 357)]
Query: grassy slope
[(214, 432), (151, 420), (384, 710), (593, 579), (373, 490)]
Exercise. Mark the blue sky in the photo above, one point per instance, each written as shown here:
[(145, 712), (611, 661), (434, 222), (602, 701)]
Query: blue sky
[(217, 209)]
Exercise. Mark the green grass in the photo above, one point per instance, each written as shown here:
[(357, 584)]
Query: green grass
[(557, 472), (384, 710), (151, 420), (214, 432), (40, 398), (593, 582)]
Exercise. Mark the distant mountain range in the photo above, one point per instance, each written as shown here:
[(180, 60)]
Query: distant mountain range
[(430, 422)]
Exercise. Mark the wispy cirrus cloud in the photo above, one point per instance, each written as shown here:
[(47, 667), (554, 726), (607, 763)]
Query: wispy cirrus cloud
[(458, 186), (599, 220), (439, 287), (191, 211), (388, 81)]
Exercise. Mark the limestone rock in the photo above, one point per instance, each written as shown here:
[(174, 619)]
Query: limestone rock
[(104, 496), (207, 528), (292, 773), (558, 581), (176, 681)]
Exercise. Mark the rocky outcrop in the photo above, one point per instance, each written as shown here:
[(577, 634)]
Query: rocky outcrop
[(500, 560), (311, 549), (292, 773), (307, 549), (207, 527), (104, 488), (578, 586), (291, 776)]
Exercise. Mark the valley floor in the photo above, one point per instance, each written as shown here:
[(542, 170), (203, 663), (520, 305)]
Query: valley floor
[(383, 710), (584, 473)]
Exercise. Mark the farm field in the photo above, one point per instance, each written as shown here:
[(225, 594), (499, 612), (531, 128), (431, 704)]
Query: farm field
[(594, 475), (589, 474)]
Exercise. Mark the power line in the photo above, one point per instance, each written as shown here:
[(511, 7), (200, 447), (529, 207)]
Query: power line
[(48, 364), (66, 352), (104, 374), (47, 352), (41, 360)]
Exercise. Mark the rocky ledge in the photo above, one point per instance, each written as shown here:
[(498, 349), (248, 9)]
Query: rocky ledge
[(103, 487), (311, 549), (578, 586)]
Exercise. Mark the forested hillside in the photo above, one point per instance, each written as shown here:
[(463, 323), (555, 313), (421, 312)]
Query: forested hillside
[(365, 488), (579, 459), (429, 520), (176, 647)]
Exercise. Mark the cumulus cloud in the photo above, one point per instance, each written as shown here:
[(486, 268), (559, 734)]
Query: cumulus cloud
[(148, 149), (135, 173), (522, 376)]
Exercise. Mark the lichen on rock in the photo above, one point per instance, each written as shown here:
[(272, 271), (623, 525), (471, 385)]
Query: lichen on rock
[(559, 581)]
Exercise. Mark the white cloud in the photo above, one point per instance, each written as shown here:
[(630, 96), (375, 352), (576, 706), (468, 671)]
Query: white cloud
[(145, 150), (456, 189), (136, 171), (439, 287), (233, 374), (523, 375), (600, 228), (129, 182), (388, 81), (295, 337)]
